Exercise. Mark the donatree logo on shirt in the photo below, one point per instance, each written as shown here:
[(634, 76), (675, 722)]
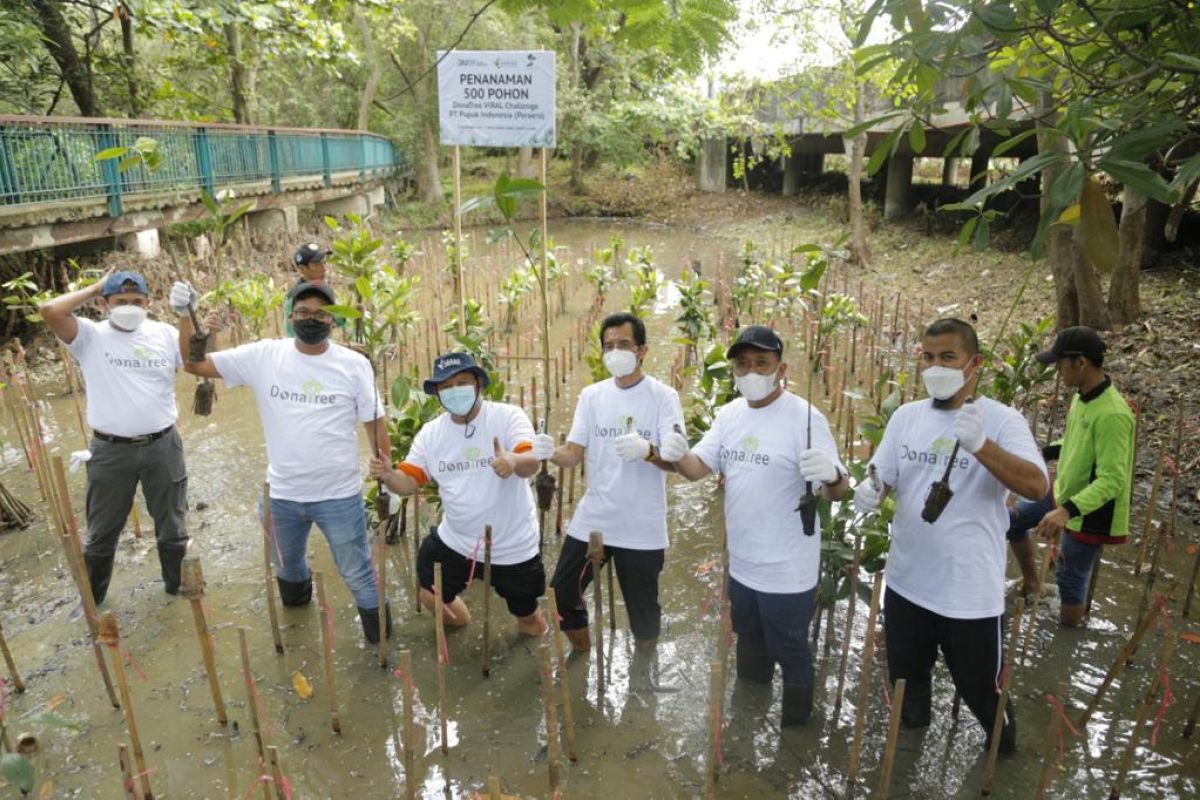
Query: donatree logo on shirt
[(311, 393), (621, 425), (143, 358), (746, 452), (472, 458), (938, 454)]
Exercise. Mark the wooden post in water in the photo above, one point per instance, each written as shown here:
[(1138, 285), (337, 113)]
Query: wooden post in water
[(410, 745), (1054, 735), (18, 684), (487, 600), (841, 680), (564, 677), (439, 626), (277, 772), (252, 702), (335, 719), (864, 688), (552, 746), (989, 772), (716, 707), (381, 592), (1190, 727), (596, 556), (558, 496), (192, 586), (111, 636), (612, 597), (1047, 560), (127, 781), (1158, 684), (269, 571), (1148, 520), (416, 542), (889, 750)]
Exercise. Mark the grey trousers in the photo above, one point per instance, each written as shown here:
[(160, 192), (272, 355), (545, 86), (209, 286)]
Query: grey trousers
[(112, 478)]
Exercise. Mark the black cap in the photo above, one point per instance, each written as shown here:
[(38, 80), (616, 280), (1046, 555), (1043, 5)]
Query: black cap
[(447, 365), (310, 253), (760, 337), (1075, 341), (322, 288)]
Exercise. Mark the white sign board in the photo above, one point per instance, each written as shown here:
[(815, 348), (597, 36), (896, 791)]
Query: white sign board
[(496, 98)]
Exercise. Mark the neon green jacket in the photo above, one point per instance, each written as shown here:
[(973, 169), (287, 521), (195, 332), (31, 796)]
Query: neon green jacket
[(1095, 468)]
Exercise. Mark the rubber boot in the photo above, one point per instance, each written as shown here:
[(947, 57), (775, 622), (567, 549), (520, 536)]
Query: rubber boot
[(1008, 734), (752, 664), (1071, 616), (370, 622), (580, 639), (170, 559), (295, 593), (797, 704), (99, 570), (917, 710)]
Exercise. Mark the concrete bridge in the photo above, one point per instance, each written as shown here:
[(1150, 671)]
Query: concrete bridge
[(54, 190)]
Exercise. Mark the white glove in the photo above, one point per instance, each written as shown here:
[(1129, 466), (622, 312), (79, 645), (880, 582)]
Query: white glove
[(182, 297), (968, 428), (79, 458), (632, 447), (674, 447), (818, 465), (543, 447), (866, 497)]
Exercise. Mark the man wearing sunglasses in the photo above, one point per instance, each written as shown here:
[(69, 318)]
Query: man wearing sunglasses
[(310, 393)]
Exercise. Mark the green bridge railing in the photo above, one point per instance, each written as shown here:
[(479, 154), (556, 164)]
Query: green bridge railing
[(52, 160)]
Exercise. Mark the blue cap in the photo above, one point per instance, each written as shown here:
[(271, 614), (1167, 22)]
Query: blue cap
[(124, 281), (447, 365)]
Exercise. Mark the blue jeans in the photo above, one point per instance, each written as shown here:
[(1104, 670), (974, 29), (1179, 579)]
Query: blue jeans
[(1075, 562), (344, 523), (1026, 515)]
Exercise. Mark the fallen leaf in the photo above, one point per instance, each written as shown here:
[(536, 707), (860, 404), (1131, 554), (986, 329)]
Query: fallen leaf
[(1192, 548), (302, 685), (1194, 638), (56, 701)]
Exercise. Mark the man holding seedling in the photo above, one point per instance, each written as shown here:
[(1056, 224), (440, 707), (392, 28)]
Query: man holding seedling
[(478, 455), (952, 460), (311, 392), (618, 426), (128, 364), (772, 448)]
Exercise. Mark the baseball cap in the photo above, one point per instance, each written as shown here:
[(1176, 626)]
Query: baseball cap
[(447, 365), (322, 288), (1078, 340), (759, 337), (310, 253), (124, 281)]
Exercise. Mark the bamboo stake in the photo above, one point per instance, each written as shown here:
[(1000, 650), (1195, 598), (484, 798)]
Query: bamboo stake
[(1047, 560), (1152, 575), (564, 677), (277, 772), (18, 684), (1123, 657), (596, 556), (439, 627), (558, 495), (553, 753), (1190, 727), (864, 688), (111, 636), (1054, 734), (410, 783), (136, 519), (1148, 520), (252, 701), (459, 291), (381, 593), (1160, 678), (127, 781), (327, 645), (416, 541), (889, 750), (1191, 592), (494, 787), (487, 599), (989, 772), (193, 590), (268, 527), (841, 681), (716, 707), (612, 598)]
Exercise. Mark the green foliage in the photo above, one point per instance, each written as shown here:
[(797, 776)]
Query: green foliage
[(143, 153), (255, 299), (1012, 375), (647, 281), (594, 357), (695, 310), (24, 297), (713, 388), (223, 212), (516, 284), (477, 332), (601, 277)]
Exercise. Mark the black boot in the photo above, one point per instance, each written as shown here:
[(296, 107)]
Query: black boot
[(295, 593), (1008, 734), (99, 569), (170, 559), (753, 664), (916, 711), (797, 704), (370, 622)]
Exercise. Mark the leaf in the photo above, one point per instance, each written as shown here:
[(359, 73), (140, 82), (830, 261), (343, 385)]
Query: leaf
[(400, 392), (1013, 141), (1140, 177), (1097, 229), (112, 152), (51, 720), (1187, 173), (18, 771), (968, 228), (864, 28), (1069, 216), (345, 312), (1139, 144), (863, 127), (209, 203), (916, 138), (302, 685)]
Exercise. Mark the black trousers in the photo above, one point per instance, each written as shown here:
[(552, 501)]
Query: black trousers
[(637, 573), (973, 649)]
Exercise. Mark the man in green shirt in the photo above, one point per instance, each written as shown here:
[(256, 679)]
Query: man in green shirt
[(1095, 467)]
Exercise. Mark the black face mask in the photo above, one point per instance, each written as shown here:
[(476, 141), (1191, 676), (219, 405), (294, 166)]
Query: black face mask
[(310, 331)]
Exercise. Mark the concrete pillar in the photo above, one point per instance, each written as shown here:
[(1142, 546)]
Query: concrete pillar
[(949, 171), (711, 165), (898, 201), (812, 165), (376, 197), (791, 174), (352, 204), (273, 221), (143, 243), (979, 165)]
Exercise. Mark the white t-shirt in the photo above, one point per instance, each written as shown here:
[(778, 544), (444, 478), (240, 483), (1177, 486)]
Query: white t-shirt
[(625, 500), (459, 458), (129, 375), (954, 567), (310, 406), (758, 451)]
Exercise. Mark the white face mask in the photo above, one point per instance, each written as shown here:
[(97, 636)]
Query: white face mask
[(755, 386), (620, 363), (127, 318), (942, 383)]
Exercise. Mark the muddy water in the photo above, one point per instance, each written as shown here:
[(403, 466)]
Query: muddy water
[(643, 737)]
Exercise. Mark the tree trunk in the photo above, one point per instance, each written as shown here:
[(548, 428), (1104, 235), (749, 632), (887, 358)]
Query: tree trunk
[(429, 179), (369, 91), (1093, 311), (1067, 260), (237, 75), (129, 60), (1059, 254), (1124, 303), (858, 146), (56, 32)]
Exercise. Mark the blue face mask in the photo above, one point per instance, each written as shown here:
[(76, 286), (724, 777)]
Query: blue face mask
[(458, 400)]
